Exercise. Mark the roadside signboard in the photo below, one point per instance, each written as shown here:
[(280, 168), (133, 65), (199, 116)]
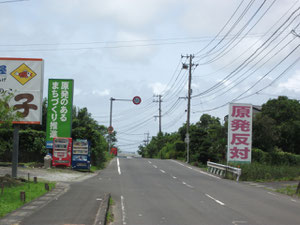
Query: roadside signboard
[(23, 77), (239, 133), (59, 113)]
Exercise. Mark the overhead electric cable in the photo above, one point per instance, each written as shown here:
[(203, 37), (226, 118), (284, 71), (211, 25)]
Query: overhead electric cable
[(246, 62)]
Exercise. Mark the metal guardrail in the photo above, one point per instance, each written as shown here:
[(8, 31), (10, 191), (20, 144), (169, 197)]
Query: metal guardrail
[(221, 170)]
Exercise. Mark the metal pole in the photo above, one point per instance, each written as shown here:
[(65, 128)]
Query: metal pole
[(15, 152), (110, 122), (159, 115), (189, 111), (110, 117)]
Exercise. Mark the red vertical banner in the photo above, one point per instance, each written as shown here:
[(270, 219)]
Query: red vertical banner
[(239, 133)]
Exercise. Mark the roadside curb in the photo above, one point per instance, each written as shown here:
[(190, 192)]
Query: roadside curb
[(102, 211), (15, 217)]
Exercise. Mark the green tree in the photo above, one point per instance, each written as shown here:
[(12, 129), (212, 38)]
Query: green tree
[(85, 127), (7, 114), (265, 132), (285, 127)]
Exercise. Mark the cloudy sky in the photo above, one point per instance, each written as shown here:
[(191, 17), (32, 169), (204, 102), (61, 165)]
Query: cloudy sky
[(244, 51)]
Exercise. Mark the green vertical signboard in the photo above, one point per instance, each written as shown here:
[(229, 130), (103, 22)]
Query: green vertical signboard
[(59, 112)]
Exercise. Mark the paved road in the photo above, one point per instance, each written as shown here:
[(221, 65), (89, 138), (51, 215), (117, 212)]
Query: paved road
[(168, 192), (152, 192)]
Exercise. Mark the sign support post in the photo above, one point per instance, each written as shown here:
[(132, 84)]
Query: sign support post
[(136, 100), (15, 153), (23, 78)]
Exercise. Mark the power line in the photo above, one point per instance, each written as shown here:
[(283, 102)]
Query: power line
[(13, 1), (239, 97), (249, 75), (226, 48), (250, 58), (232, 27), (218, 34), (251, 46)]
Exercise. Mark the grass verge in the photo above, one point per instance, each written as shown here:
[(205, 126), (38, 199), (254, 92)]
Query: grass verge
[(289, 190), (10, 198), (261, 172), (110, 215)]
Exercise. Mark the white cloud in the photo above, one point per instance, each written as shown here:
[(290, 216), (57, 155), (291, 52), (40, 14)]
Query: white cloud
[(129, 13), (158, 87), (293, 83), (105, 92), (77, 91), (132, 54)]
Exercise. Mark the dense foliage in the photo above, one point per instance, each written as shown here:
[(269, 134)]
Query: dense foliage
[(32, 137), (276, 132), (7, 114)]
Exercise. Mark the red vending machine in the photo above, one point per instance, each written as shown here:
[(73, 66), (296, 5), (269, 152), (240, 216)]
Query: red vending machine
[(114, 151), (62, 150)]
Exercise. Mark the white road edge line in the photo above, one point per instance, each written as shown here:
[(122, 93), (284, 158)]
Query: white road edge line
[(162, 171), (271, 193), (199, 171), (119, 169), (216, 200), (293, 200), (123, 210)]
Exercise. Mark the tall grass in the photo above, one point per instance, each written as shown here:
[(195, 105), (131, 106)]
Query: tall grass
[(263, 172), (10, 199)]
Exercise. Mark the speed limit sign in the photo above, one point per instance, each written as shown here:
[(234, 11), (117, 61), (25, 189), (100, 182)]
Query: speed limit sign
[(110, 129), (136, 100)]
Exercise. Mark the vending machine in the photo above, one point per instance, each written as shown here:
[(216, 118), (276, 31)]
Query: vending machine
[(114, 151), (62, 150), (81, 156)]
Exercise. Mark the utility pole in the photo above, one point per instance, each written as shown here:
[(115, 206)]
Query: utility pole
[(110, 123), (187, 137), (147, 138), (159, 110)]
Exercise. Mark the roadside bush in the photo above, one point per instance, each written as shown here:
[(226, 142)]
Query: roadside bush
[(276, 157), (31, 145)]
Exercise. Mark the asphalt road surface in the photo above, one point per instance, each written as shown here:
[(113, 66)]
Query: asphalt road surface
[(153, 192)]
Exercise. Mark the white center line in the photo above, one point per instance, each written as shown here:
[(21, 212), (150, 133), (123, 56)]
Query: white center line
[(162, 171), (216, 200), (293, 200), (174, 177), (149, 162), (119, 169), (155, 166), (190, 186), (123, 210)]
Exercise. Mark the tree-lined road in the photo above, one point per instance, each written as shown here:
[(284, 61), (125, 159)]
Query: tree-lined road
[(153, 191)]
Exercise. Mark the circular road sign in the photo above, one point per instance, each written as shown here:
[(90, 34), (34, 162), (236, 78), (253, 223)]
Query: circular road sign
[(136, 100), (110, 129)]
